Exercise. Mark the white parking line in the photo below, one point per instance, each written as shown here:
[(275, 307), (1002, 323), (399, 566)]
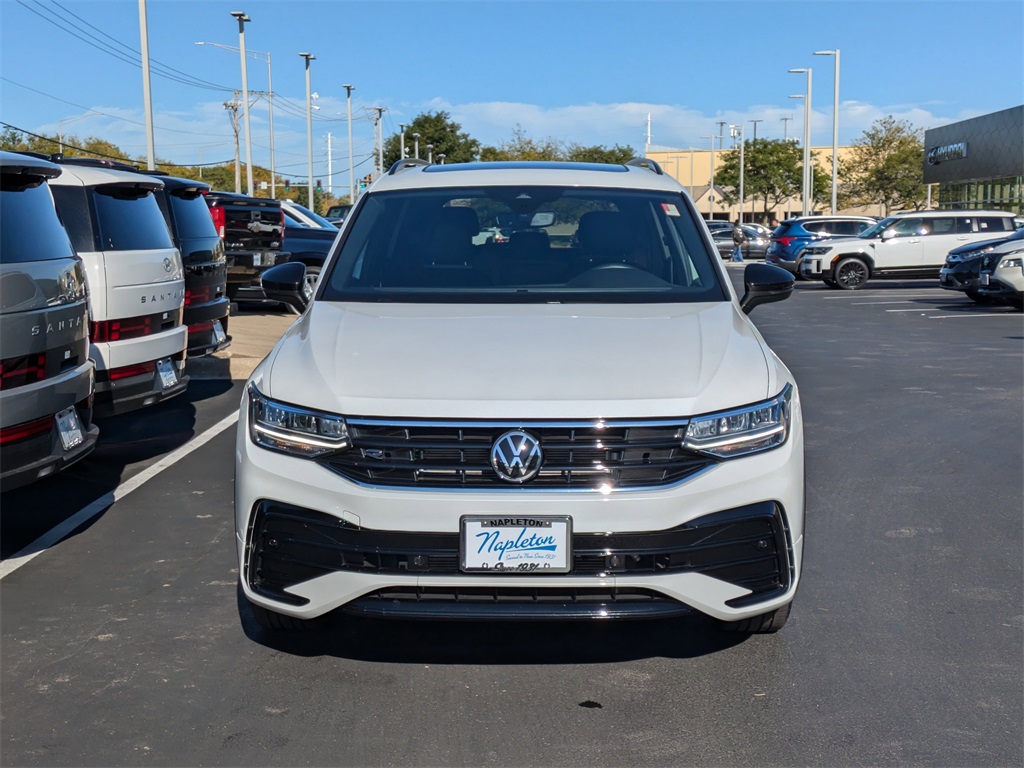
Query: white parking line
[(972, 314), (55, 534), (915, 309)]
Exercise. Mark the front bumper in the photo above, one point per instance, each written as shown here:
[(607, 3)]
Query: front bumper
[(726, 542)]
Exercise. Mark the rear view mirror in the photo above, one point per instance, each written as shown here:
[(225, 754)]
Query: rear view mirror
[(542, 219)]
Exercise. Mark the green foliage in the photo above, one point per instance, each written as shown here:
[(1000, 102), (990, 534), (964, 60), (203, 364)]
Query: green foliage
[(885, 167), (438, 129), (617, 155), (773, 173)]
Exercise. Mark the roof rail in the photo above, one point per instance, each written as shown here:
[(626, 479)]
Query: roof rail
[(644, 162), (93, 162), (405, 164)]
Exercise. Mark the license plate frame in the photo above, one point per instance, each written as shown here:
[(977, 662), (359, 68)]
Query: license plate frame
[(219, 337), (535, 544), (69, 428), (167, 373)]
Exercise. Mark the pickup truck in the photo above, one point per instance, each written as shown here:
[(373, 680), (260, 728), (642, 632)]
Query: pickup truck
[(252, 229)]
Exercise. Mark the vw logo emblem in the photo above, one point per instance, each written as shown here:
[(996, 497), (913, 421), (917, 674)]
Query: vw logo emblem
[(516, 456)]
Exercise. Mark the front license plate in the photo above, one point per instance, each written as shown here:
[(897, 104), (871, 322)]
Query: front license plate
[(986, 278), (69, 427), (255, 259), (218, 332), (492, 544), (168, 376)]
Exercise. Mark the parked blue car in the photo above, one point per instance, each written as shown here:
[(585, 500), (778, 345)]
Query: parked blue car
[(793, 235)]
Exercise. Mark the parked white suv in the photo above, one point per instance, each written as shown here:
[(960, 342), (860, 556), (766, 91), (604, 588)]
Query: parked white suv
[(906, 245), (551, 427), (135, 279)]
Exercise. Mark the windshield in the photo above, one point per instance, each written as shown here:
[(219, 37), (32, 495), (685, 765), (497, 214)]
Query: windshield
[(563, 245), (875, 231), (320, 220)]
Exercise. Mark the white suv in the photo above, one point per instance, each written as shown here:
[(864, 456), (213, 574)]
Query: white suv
[(905, 245), (579, 422)]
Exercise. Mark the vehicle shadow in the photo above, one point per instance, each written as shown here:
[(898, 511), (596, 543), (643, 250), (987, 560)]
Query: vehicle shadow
[(127, 443), (493, 642)]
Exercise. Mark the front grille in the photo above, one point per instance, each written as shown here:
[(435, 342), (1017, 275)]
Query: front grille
[(748, 546), (587, 456)]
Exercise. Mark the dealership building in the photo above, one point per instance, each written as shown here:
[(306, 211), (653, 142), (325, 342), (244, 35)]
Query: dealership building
[(978, 163)]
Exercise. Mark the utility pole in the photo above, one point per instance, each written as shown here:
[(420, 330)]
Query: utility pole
[(330, 172), (378, 125), (232, 107), (146, 97)]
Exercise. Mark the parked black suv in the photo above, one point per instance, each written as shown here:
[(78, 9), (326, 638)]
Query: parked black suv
[(202, 258), (46, 376), (252, 229), (962, 270)]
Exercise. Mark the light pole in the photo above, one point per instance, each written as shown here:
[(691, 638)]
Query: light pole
[(711, 189), (351, 161), (803, 169), (835, 125), (401, 141), (242, 19), (60, 128), (785, 127), (737, 130), (270, 103), (309, 131), (755, 122), (440, 159), (808, 190), (430, 153), (146, 96), (416, 145)]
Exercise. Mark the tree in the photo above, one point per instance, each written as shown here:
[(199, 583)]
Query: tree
[(600, 154), (522, 147), (435, 128), (885, 167), (773, 173)]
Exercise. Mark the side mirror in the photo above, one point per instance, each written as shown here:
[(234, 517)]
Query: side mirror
[(888, 234), (287, 284), (764, 284)]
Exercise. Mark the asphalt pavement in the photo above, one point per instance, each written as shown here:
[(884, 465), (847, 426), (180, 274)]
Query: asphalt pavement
[(253, 334)]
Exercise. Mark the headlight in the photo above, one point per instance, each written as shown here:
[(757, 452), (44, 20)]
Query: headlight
[(817, 250), (1016, 261), (755, 428), (294, 430)]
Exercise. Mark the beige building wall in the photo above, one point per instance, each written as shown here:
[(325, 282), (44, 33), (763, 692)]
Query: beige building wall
[(692, 168)]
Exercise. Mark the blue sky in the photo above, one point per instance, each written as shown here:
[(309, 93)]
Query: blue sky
[(576, 71)]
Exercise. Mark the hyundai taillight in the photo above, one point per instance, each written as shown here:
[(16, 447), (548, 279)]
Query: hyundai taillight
[(26, 430), (19, 371), (119, 330), (131, 370), (785, 242), (197, 295), (219, 220)]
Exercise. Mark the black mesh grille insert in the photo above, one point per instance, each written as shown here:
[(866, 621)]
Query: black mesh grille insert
[(632, 454), (748, 546)]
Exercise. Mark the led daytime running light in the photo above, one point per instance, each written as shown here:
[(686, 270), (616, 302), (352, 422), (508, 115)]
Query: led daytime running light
[(743, 431), (294, 430)]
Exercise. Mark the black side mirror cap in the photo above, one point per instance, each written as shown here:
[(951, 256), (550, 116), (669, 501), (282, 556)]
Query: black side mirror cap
[(286, 283), (764, 284)]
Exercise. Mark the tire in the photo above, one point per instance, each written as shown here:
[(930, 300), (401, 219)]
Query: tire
[(765, 624), (978, 298), (851, 273), (312, 275)]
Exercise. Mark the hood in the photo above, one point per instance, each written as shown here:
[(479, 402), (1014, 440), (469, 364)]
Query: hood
[(520, 361)]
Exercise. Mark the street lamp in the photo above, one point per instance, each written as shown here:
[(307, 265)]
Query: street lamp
[(440, 157), (401, 141), (835, 125), (60, 128), (242, 19), (416, 145), (351, 161), (430, 153), (808, 189), (309, 131), (737, 130), (270, 104), (711, 189), (755, 122)]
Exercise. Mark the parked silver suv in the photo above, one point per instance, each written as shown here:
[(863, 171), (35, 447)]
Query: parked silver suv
[(46, 376)]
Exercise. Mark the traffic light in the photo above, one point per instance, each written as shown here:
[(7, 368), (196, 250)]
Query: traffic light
[(319, 186), (287, 185)]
